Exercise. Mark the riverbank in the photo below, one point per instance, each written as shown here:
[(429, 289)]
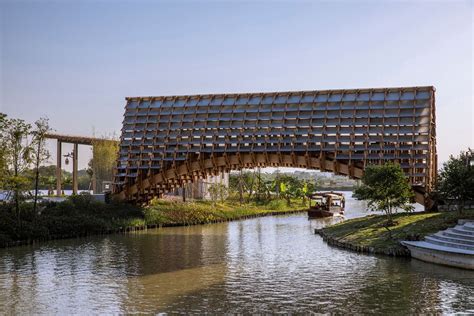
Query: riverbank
[(368, 234), (80, 216)]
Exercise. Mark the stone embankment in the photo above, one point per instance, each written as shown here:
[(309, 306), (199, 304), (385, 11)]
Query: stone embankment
[(391, 251), (452, 247)]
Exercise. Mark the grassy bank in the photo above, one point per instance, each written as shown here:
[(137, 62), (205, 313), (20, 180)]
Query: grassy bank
[(81, 216), (161, 212), (368, 234)]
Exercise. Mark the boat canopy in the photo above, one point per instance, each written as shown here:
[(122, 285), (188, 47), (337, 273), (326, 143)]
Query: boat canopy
[(322, 195)]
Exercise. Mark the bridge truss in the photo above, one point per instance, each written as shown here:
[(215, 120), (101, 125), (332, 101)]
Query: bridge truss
[(168, 141)]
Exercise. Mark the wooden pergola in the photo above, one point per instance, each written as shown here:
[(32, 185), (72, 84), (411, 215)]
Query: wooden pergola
[(76, 141)]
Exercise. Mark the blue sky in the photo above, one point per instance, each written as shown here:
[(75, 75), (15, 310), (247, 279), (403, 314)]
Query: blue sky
[(76, 61)]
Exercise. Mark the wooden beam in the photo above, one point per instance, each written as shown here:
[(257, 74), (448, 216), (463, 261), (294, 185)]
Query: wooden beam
[(82, 140)]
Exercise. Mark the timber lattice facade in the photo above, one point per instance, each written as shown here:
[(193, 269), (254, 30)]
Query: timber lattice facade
[(168, 141)]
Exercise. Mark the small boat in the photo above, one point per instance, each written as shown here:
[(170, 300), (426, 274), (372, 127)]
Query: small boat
[(452, 247), (326, 204)]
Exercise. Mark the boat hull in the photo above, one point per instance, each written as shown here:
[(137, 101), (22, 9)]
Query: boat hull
[(318, 213), (458, 260)]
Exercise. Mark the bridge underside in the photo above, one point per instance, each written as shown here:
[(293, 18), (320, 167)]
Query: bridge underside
[(169, 141), (151, 185)]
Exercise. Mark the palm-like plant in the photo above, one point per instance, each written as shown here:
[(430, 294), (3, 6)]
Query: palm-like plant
[(285, 192), (304, 192)]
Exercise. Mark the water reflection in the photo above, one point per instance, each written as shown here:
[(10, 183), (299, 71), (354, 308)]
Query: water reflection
[(270, 264)]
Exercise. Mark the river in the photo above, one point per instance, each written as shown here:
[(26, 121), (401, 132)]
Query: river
[(267, 265)]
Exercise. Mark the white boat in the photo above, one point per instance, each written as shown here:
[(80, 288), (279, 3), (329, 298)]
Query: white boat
[(452, 247)]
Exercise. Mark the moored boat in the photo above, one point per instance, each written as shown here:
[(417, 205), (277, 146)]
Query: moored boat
[(326, 204)]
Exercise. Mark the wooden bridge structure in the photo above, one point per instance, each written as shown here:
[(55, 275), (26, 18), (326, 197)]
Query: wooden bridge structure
[(168, 141)]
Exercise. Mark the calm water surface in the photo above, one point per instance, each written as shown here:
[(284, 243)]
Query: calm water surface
[(269, 264)]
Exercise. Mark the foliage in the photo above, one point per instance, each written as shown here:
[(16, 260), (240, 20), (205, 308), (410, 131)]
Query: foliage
[(40, 153), (285, 192), (3, 153), (250, 181), (277, 205), (160, 212), (290, 187), (305, 190), (258, 187), (263, 188), (78, 216), (386, 188), (17, 156), (456, 179), (47, 176), (104, 153), (218, 191)]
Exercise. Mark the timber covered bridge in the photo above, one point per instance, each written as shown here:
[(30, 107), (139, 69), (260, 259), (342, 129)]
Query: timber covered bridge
[(168, 141)]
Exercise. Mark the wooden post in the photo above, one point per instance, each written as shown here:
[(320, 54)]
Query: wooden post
[(58, 168), (74, 168), (94, 183)]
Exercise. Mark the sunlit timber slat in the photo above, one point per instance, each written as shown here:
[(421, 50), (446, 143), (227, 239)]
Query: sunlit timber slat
[(81, 140), (171, 140)]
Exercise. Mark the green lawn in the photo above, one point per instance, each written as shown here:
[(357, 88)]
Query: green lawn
[(161, 212), (369, 231)]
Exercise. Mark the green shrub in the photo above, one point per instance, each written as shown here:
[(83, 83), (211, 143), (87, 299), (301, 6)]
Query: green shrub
[(277, 205), (81, 215), (154, 216)]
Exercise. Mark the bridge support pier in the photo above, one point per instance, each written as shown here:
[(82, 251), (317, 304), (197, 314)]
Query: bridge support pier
[(425, 200)]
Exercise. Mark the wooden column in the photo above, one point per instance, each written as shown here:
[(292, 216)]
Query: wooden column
[(58, 168), (94, 184), (94, 178), (75, 153)]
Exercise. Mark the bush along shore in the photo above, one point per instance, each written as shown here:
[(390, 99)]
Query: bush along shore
[(80, 216), (370, 234)]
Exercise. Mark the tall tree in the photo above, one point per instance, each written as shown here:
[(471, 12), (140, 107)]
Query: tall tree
[(104, 153), (456, 179), (18, 154), (386, 188), (40, 153), (3, 157)]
